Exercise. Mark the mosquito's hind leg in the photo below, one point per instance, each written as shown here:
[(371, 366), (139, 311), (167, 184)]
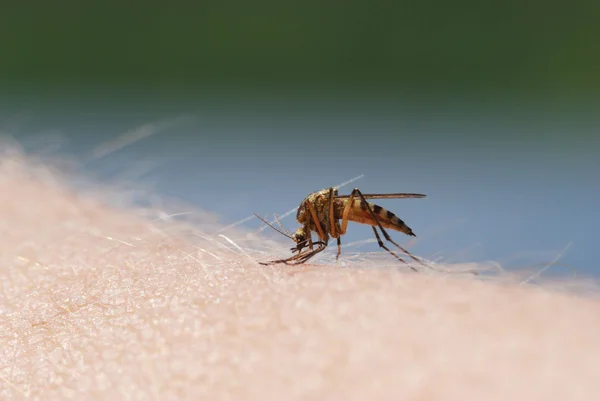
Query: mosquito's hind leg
[(385, 234), (381, 244)]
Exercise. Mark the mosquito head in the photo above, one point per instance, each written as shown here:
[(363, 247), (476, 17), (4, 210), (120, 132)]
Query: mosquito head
[(299, 238)]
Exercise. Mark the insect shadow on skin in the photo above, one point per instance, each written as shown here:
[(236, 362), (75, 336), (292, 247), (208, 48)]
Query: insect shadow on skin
[(322, 211)]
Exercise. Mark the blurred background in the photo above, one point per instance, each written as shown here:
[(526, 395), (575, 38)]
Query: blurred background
[(240, 107)]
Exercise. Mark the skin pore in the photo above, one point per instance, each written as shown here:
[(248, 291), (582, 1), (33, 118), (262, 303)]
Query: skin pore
[(99, 302)]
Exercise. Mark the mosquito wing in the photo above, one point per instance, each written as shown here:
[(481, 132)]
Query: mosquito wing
[(385, 196)]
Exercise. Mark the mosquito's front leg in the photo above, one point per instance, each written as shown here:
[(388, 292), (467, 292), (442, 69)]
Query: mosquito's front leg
[(307, 229), (299, 259), (299, 249), (309, 233), (315, 217)]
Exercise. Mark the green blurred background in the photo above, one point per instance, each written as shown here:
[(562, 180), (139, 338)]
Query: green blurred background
[(535, 47)]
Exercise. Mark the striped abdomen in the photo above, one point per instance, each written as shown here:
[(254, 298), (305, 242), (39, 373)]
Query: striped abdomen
[(360, 214)]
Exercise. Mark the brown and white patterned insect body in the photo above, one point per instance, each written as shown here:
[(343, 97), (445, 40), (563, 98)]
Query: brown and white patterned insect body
[(323, 210)]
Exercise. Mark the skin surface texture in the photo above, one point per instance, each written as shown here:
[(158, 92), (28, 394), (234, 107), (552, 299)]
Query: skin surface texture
[(103, 302)]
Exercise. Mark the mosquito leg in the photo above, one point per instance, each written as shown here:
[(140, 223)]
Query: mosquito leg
[(332, 229), (296, 249), (301, 255), (380, 242), (307, 228), (297, 259), (335, 232), (315, 218), (300, 258), (309, 255), (346, 212), (385, 234)]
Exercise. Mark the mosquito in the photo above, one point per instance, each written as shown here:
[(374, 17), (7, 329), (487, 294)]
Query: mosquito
[(322, 211)]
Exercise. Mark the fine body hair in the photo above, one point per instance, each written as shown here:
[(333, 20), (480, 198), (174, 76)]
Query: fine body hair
[(102, 302)]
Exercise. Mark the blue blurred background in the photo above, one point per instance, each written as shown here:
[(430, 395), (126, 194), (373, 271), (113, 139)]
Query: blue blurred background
[(237, 107)]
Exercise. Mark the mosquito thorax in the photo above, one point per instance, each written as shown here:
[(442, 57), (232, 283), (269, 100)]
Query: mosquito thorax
[(300, 216)]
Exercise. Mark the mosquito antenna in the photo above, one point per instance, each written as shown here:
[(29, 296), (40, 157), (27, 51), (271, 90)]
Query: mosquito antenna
[(274, 228), (260, 228), (281, 225)]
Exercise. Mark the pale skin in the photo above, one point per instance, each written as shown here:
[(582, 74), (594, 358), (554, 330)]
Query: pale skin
[(102, 304)]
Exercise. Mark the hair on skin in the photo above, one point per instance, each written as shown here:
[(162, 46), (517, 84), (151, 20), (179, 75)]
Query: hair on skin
[(103, 302)]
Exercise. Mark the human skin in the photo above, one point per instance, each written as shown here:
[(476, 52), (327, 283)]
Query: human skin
[(97, 302)]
